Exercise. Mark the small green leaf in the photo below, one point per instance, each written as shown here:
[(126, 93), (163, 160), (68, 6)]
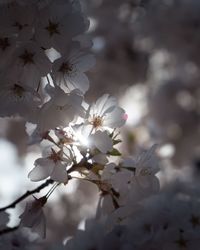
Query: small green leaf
[(115, 142), (114, 152)]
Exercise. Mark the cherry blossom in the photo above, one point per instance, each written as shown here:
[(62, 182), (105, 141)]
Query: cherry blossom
[(54, 26), (29, 64), (60, 110), (68, 71), (45, 55), (18, 99), (54, 165), (105, 114), (143, 181), (18, 21), (102, 141), (33, 216)]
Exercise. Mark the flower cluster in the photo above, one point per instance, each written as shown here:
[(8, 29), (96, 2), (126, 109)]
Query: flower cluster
[(43, 67), (169, 220), (40, 42)]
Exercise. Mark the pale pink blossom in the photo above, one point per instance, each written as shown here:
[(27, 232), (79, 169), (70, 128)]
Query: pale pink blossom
[(68, 71), (29, 64), (54, 27), (18, 99), (105, 114), (60, 110), (33, 216), (53, 166)]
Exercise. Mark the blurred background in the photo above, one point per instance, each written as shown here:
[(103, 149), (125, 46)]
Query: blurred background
[(148, 56)]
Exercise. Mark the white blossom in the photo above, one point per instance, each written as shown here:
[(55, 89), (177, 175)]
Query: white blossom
[(18, 99), (102, 141), (104, 114), (143, 181), (29, 64), (68, 71), (60, 110), (33, 216), (52, 166), (18, 21), (54, 27)]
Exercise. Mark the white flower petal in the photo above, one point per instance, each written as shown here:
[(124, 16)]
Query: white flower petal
[(100, 158), (59, 173), (104, 104), (115, 119), (102, 141), (85, 63), (43, 169), (78, 81), (33, 216), (40, 226)]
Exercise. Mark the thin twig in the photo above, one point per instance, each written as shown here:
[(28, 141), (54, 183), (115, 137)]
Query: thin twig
[(8, 230), (28, 193)]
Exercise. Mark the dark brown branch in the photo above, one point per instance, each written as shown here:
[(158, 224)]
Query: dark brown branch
[(28, 193), (8, 230)]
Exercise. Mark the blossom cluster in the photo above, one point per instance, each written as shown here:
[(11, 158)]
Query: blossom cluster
[(38, 43), (169, 220), (45, 55), (42, 67)]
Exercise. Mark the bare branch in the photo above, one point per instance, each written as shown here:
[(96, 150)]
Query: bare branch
[(28, 193), (8, 230)]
